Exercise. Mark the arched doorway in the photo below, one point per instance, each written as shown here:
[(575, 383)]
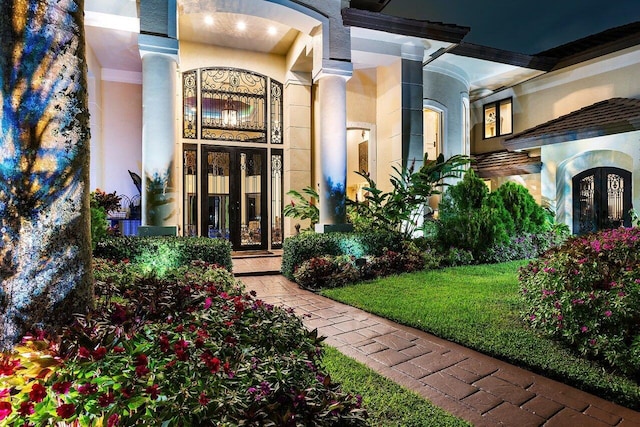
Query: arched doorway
[(601, 199)]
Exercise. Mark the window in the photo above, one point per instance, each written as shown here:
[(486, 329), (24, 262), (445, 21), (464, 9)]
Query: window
[(498, 118)]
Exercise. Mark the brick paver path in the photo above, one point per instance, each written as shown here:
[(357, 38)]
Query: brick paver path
[(470, 385)]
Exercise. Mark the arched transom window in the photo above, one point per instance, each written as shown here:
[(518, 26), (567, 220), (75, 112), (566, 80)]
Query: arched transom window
[(229, 104)]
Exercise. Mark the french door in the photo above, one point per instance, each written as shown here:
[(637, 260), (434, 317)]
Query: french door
[(601, 199), (234, 202)]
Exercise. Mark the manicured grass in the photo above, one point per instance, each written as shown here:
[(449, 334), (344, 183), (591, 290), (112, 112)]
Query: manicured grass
[(479, 307), (387, 403)]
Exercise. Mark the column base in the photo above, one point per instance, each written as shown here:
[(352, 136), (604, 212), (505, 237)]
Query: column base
[(155, 230), (334, 228)]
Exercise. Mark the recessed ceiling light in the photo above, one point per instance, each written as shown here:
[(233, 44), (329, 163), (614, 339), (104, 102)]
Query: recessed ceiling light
[(241, 25), (272, 31), (208, 20)]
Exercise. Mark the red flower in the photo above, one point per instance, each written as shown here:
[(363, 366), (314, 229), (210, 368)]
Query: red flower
[(87, 389), (26, 409), (62, 387), (113, 420), (164, 343), (142, 360), (207, 303), (66, 410), (126, 392), (4, 393), (118, 349), (8, 366), (37, 393), (203, 399), (153, 391), (84, 353), (5, 410), (106, 399), (99, 353), (141, 370)]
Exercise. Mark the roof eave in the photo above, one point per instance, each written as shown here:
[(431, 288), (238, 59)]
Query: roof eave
[(476, 51), (404, 26), (515, 143), (509, 171)]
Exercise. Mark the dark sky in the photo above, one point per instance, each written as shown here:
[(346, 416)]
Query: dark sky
[(522, 26)]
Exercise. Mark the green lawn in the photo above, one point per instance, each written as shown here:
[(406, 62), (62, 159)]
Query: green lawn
[(479, 307), (387, 403)]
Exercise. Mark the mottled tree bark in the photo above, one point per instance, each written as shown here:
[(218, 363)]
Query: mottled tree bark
[(45, 247)]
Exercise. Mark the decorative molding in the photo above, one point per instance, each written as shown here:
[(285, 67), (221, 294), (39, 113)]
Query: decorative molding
[(121, 76)]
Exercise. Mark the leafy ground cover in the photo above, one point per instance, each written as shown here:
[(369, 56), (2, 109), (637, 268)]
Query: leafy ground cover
[(387, 403), (480, 307)]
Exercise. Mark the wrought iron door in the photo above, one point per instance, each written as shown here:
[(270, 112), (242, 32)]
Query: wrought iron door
[(234, 197), (601, 199)]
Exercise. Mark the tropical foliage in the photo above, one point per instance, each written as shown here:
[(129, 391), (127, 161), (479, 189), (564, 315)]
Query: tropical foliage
[(303, 208), (189, 349), (404, 208)]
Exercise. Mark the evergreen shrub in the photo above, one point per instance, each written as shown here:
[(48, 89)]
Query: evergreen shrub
[(586, 293), (473, 219)]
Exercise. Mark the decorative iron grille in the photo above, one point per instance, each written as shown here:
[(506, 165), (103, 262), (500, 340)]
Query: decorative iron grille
[(276, 112), (587, 216), (233, 105), (190, 105)]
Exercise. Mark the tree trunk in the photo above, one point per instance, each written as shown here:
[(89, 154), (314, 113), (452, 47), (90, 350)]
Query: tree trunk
[(45, 245)]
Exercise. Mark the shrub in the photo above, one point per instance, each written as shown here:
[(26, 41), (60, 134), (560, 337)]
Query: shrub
[(98, 225), (528, 216), (523, 246), (330, 271), (454, 257), (408, 259), (297, 249), (161, 253), (586, 293), (473, 219), (326, 272), (212, 355)]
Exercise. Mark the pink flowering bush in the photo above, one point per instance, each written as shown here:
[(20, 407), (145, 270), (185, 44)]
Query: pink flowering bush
[(190, 349), (586, 293)]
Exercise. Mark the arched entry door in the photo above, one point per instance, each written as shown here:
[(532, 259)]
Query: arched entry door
[(601, 199)]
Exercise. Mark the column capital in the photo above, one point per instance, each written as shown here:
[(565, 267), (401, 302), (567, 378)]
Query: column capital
[(158, 45), (298, 79), (412, 52), (333, 68)]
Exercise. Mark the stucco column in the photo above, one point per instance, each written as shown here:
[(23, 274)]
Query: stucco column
[(158, 139), (332, 146)]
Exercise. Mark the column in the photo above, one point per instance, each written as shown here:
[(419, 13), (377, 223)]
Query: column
[(332, 146), (159, 185), (412, 115)]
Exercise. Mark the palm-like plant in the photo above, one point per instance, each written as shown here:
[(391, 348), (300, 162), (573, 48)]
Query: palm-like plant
[(404, 208)]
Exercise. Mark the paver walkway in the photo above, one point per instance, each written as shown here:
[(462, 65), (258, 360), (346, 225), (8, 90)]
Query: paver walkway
[(468, 384)]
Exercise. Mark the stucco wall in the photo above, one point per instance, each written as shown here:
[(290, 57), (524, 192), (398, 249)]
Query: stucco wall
[(389, 122), (563, 161), (94, 90), (122, 136), (195, 55), (448, 92), (561, 92)]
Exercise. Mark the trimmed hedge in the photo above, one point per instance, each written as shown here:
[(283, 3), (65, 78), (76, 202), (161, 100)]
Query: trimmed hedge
[(168, 251), (305, 246)]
